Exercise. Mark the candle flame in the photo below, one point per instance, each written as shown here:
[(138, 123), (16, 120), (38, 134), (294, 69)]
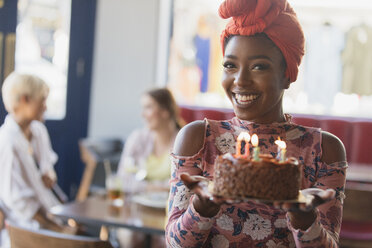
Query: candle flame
[(244, 136), (281, 144), (254, 140)]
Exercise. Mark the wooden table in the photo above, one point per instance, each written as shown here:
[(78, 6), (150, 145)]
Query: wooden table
[(98, 211)]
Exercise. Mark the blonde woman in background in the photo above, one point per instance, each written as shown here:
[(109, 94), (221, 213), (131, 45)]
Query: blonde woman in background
[(26, 156)]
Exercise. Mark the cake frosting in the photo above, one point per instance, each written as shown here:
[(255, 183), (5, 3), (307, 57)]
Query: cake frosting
[(240, 177)]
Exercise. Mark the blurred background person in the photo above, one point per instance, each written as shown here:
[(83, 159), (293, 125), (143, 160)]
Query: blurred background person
[(147, 149), (146, 155), (26, 156)]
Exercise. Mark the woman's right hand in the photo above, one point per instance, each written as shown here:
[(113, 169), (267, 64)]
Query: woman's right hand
[(48, 181), (204, 203)]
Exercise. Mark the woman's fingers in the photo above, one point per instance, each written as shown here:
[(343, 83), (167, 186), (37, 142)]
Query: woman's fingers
[(193, 183), (189, 181), (198, 185), (314, 196), (200, 178), (319, 196), (326, 195), (311, 191)]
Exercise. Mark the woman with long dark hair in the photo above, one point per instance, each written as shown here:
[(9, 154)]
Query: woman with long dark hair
[(149, 148)]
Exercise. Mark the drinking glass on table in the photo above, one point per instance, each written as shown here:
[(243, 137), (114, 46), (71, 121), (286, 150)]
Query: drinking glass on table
[(114, 187), (133, 174)]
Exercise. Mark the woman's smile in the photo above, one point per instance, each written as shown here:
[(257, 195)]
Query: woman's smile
[(244, 100)]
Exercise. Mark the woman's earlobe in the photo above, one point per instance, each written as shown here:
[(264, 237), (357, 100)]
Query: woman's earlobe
[(287, 83)]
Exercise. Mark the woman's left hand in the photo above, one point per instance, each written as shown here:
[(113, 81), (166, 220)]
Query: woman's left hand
[(303, 215), (316, 197)]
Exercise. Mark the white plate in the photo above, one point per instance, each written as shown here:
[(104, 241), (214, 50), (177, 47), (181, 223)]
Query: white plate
[(152, 199)]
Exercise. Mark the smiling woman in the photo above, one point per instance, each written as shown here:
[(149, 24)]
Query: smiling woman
[(263, 45), (257, 62)]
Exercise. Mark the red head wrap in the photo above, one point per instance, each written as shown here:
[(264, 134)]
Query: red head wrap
[(275, 18)]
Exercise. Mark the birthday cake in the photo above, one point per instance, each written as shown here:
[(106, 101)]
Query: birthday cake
[(237, 177)]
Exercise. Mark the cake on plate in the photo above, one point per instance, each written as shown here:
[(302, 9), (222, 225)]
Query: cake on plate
[(267, 178)]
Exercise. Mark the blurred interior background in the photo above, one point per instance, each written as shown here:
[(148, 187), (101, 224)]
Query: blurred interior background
[(99, 56)]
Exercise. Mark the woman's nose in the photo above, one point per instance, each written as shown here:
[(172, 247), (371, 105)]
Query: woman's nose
[(242, 77)]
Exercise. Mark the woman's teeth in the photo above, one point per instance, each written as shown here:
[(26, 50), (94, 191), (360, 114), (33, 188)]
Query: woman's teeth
[(245, 99)]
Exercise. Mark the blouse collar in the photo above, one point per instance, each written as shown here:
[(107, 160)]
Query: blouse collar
[(288, 120)]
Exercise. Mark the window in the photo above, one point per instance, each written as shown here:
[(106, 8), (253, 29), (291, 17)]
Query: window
[(42, 45)]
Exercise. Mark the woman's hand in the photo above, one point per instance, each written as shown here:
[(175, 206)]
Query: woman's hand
[(315, 198), (204, 203), (48, 181), (303, 215), (2, 219)]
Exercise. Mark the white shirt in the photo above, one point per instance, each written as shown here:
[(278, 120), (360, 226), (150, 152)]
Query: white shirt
[(21, 187)]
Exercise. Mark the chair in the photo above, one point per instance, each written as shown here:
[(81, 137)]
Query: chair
[(193, 113), (361, 141), (308, 121), (356, 229), (214, 114), (187, 114), (2, 219), (93, 152), (21, 237)]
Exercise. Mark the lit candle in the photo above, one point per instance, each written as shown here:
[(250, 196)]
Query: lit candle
[(281, 150), (256, 149), (246, 137)]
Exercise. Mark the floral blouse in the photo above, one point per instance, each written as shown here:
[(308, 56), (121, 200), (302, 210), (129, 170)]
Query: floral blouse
[(254, 224)]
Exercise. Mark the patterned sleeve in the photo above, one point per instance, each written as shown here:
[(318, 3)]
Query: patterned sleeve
[(324, 232), (185, 228)]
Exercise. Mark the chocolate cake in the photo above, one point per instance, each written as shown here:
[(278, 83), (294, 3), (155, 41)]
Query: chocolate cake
[(237, 178)]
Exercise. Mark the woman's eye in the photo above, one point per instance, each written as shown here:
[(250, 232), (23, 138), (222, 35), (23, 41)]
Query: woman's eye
[(260, 67), (228, 65)]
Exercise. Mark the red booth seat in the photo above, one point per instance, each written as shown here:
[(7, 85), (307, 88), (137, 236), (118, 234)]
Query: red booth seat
[(356, 134), (193, 113), (356, 228)]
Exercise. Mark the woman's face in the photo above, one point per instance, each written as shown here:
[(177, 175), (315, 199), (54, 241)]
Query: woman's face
[(152, 113), (253, 78), (34, 108)]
